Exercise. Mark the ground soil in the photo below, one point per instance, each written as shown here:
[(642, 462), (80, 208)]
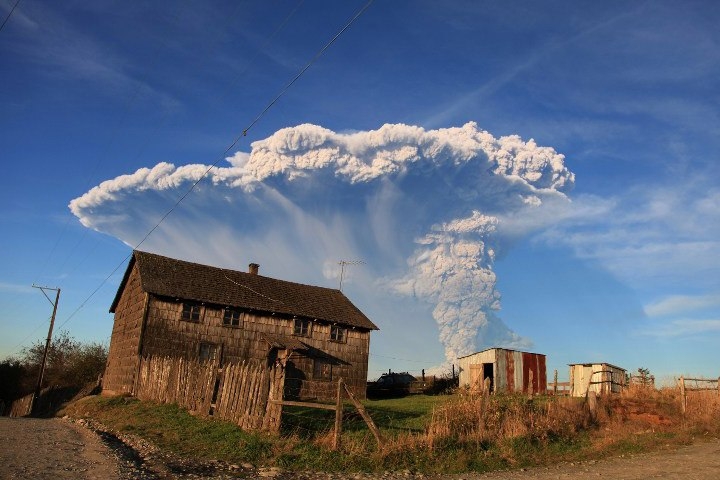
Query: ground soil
[(65, 449)]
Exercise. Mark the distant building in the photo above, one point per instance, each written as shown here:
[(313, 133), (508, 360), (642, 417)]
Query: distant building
[(508, 371), (169, 307), (600, 378)]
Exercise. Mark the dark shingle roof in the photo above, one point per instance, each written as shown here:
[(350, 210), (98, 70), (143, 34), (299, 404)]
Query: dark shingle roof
[(202, 283)]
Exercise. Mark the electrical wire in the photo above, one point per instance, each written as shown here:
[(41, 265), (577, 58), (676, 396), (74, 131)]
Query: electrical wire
[(108, 146), (224, 154), (9, 15), (123, 120)]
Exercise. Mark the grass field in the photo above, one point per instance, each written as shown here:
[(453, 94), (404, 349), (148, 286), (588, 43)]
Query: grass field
[(431, 434)]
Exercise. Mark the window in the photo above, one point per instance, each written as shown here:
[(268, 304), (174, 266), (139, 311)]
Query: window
[(302, 327), (337, 334), (232, 317), (208, 352), (322, 370), (190, 312)]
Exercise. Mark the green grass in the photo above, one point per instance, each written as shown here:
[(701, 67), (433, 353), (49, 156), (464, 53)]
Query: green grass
[(391, 416)]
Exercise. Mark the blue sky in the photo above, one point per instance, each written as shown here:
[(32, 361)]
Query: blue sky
[(536, 176)]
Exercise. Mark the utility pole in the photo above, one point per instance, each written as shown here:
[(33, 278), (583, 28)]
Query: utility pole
[(38, 387), (342, 264)]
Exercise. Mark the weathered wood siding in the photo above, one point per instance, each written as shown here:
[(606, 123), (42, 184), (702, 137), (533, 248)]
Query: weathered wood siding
[(601, 378), (166, 334), (123, 356), (464, 367)]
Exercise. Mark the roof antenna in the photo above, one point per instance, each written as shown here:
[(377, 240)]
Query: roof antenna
[(343, 263)]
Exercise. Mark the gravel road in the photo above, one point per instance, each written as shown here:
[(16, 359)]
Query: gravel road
[(63, 449), (33, 448)]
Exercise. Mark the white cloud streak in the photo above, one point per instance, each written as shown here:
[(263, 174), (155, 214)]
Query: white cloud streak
[(656, 235), (682, 304), (685, 327)]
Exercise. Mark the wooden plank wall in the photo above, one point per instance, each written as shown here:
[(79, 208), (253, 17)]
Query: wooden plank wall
[(166, 335), (239, 392), (124, 352)]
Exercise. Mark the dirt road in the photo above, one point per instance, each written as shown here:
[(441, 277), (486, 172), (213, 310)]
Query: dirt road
[(52, 449), (700, 461), (60, 449)]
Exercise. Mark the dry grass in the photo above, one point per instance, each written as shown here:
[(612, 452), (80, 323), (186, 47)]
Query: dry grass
[(485, 419), (518, 429), (450, 435)]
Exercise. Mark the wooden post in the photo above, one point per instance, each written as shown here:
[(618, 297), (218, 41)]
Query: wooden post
[(683, 401), (592, 404), (338, 414), (718, 385), (366, 417), (38, 387), (555, 384)]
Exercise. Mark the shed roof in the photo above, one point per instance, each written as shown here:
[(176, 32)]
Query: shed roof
[(590, 364), (500, 348), (169, 277)]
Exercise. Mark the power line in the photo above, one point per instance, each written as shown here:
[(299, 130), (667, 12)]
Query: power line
[(318, 55), (225, 152), (128, 105), (9, 15)]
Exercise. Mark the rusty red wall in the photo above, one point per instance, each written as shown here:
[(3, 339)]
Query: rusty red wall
[(533, 362)]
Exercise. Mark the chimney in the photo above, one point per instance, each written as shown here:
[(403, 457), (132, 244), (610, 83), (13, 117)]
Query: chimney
[(253, 268)]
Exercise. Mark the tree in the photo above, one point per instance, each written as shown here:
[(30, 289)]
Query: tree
[(646, 380), (70, 363)]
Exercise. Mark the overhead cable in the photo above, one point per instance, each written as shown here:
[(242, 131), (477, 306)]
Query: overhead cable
[(225, 152)]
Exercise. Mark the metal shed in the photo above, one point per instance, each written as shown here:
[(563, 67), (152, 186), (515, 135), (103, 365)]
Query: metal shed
[(508, 370), (600, 378)]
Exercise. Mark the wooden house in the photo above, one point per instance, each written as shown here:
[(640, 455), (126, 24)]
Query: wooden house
[(601, 378), (508, 371), (169, 307)]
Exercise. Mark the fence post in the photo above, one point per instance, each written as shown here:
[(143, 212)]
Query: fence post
[(718, 383), (338, 415), (555, 384), (592, 404), (366, 417), (683, 401)]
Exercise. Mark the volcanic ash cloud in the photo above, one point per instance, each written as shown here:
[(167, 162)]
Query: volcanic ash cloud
[(423, 208)]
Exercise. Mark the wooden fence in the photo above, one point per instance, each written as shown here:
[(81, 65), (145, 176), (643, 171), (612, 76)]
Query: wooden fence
[(22, 407), (239, 393), (687, 385), (341, 389), (558, 388), (49, 401)]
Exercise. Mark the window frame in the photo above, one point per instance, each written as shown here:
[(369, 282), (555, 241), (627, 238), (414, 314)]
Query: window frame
[(305, 329), (338, 334), (212, 348), (322, 370), (191, 312), (235, 316)]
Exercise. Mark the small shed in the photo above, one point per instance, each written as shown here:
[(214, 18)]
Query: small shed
[(601, 378), (508, 371)]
